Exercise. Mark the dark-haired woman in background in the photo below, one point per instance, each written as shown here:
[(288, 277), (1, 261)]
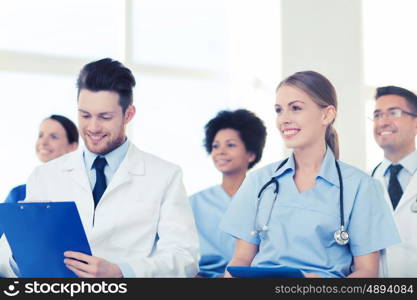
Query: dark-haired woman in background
[(58, 135), (235, 141)]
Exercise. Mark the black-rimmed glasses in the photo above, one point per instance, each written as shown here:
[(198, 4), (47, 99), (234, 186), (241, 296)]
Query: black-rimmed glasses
[(392, 113)]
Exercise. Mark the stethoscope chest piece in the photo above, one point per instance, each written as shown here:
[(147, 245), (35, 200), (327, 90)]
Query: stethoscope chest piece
[(341, 236), (414, 207)]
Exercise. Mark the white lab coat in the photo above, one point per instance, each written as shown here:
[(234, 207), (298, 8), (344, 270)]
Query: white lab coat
[(143, 221), (401, 260)]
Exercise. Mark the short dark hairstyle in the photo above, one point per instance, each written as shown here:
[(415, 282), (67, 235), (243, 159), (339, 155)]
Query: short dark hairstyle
[(108, 75), (399, 91), (251, 130), (69, 126)]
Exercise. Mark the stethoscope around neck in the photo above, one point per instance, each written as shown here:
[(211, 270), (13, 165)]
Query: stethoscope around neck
[(341, 236)]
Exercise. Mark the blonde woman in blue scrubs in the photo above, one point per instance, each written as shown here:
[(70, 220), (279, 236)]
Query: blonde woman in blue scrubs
[(298, 228), (235, 141)]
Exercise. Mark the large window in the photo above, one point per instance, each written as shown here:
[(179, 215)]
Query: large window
[(72, 28), (27, 98), (191, 59)]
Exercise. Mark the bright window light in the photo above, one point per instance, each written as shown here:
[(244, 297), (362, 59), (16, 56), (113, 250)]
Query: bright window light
[(389, 55), (182, 33), (190, 59), (390, 46), (75, 28), (28, 99)]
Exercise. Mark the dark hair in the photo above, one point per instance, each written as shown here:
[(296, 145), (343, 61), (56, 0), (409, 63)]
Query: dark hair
[(251, 130), (323, 93), (395, 90), (69, 126), (108, 75)]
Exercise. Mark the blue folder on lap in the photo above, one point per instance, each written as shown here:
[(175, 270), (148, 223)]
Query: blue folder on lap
[(265, 272), (39, 234)]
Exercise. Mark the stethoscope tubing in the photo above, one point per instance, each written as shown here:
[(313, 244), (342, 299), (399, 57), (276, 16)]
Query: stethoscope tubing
[(276, 191)]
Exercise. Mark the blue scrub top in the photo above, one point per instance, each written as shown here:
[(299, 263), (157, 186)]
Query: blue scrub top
[(302, 225), (18, 193), (216, 247)]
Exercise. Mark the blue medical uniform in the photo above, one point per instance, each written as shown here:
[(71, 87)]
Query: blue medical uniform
[(18, 193), (302, 225), (216, 247)]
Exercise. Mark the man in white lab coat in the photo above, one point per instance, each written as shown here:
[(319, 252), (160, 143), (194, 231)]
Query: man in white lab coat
[(395, 129), (132, 204)]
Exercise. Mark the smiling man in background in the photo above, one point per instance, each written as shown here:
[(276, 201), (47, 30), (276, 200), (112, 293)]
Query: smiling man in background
[(395, 129)]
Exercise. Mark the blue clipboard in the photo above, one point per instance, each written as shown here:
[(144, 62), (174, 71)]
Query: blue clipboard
[(264, 272), (39, 233)]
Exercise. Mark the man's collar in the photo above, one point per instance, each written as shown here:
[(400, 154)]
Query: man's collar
[(113, 158)]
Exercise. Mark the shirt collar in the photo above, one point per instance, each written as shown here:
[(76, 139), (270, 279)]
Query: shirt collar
[(288, 166), (113, 158), (327, 171), (409, 163)]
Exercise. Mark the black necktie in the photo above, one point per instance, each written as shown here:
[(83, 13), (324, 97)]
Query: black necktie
[(100, 186), (394, 188)]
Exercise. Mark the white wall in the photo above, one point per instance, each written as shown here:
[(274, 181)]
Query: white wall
[(326, 36)]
